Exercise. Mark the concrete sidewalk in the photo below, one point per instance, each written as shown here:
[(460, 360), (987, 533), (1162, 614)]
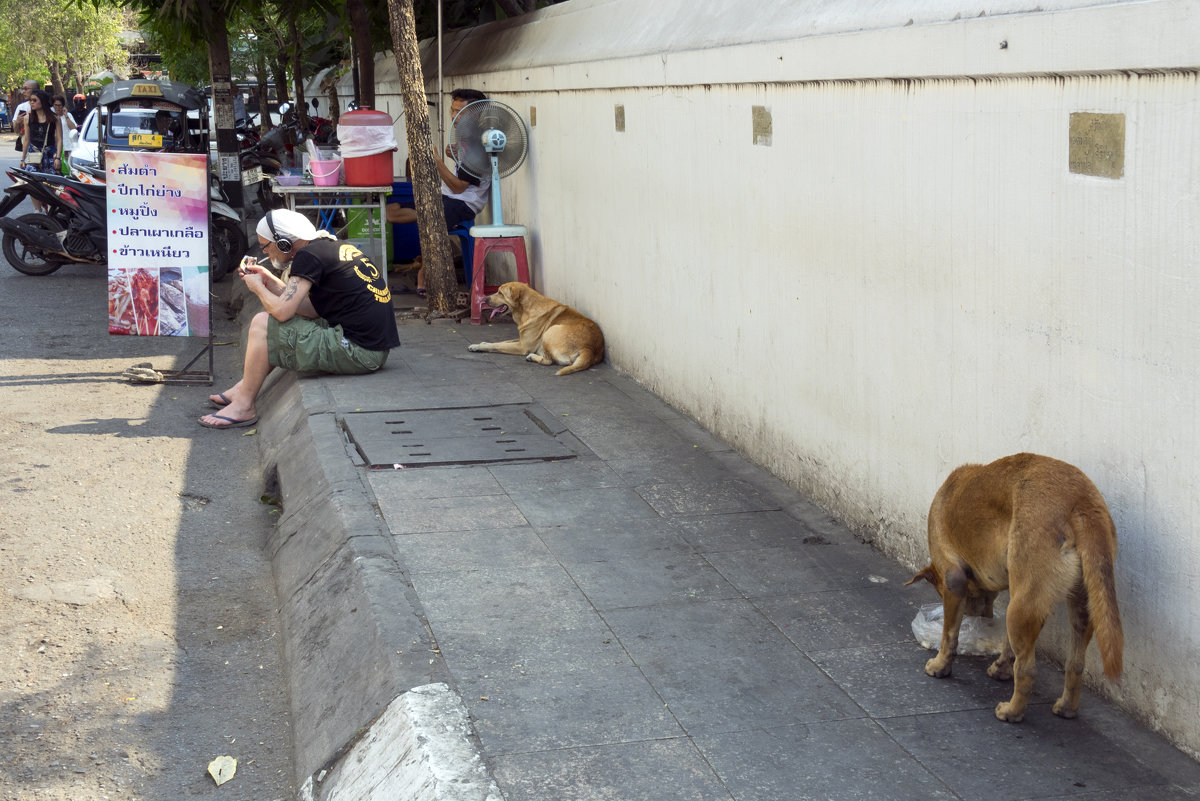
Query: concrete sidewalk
[(625, 607)]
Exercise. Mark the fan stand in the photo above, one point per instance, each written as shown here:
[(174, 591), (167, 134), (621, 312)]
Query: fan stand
[(497, 209), (496, 229)]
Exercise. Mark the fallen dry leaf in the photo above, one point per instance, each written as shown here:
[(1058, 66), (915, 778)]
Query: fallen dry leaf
[(222, 769)]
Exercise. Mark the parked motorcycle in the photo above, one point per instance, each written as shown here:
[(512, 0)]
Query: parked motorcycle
[(319, 129), (288, 138), (247, 133), (267, 163), (74, 226), (161, 116)]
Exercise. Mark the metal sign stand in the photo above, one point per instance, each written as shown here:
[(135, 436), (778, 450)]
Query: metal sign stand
[(193, 378), (144, 372)]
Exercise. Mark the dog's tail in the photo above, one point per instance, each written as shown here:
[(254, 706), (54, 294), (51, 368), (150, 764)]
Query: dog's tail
[(1097, 551), (582, 361)]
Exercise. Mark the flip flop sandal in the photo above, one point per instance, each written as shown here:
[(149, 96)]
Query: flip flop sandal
[(422, 293), (222, 403), (231, 422)]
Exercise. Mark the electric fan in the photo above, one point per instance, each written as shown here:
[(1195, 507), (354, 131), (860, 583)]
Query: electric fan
[(487, 138)]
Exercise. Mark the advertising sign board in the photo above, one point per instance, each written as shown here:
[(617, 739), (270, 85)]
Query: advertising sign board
[(158, 261)]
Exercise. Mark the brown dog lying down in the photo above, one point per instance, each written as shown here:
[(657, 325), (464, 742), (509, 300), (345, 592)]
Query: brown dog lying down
[(548, 332), (1039, 528)]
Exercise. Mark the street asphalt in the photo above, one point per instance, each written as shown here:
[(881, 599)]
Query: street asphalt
[(625, 607)]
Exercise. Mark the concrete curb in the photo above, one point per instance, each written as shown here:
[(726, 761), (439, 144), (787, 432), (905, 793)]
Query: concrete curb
[(362, 669), (418, 750), (354, 635)]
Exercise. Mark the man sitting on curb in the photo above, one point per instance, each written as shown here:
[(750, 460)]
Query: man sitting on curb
[(330, 313)]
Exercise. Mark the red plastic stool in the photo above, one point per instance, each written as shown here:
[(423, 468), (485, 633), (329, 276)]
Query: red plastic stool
[(501, 239)]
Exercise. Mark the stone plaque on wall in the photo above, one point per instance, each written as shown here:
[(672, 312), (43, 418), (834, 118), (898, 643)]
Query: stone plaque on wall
[(760, 124), (1097, 144)]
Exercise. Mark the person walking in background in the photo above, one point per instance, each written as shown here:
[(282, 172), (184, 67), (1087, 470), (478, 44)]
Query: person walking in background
[(79, 109), (66, 127), (41, 129), (22, 112)]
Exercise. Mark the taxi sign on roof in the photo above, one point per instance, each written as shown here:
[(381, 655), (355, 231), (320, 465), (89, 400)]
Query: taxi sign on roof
[(181, 94)]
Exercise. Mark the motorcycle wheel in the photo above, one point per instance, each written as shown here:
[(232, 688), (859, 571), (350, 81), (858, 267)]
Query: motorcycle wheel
[(266, 198), (227, 245), (31, 261)]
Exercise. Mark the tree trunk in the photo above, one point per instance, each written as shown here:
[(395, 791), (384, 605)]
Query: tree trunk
[(279, 70), (215, 24), (331, 92), (56, 78), (68, 73), (427, 195), (264, 95), (511, 8), (298, 77), (364, 53)]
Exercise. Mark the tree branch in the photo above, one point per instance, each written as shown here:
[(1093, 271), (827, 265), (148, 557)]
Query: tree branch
[(510, 7)]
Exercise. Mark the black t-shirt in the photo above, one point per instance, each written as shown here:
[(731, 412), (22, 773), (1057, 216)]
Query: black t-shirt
[(348, 290), (38, 134)]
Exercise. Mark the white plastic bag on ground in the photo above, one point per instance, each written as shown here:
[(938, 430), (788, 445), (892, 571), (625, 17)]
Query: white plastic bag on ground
[(977, 636)]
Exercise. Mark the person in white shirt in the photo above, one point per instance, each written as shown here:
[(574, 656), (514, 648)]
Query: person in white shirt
[(463, 195), (66, 124), (23, 110)]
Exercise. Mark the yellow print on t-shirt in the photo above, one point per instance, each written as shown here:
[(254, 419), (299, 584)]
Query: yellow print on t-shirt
[(350, 253)]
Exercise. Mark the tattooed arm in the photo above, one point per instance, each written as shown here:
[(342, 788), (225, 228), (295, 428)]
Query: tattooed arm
[(292, 300)]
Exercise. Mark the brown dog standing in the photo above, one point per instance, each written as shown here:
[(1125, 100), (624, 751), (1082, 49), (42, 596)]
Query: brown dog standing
[(1039, 528), (548, 332)]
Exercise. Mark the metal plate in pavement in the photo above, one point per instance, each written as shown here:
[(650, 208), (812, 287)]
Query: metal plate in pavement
[(476, 435)]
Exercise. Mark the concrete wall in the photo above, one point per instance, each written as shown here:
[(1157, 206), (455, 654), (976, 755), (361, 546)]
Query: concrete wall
[(848, 238)]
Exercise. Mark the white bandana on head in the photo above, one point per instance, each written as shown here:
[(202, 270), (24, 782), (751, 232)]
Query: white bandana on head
[(289, 225)]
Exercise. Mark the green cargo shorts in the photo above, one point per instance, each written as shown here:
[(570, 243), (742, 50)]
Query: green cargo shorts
[(314, 346)]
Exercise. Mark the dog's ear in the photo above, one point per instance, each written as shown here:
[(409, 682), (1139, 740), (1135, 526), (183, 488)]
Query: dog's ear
[(928, 573)]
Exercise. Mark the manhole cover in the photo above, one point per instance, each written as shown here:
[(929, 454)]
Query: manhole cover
[(477, 435)]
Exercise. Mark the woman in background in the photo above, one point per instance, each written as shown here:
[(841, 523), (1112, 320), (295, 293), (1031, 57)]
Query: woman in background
[(42, 140)]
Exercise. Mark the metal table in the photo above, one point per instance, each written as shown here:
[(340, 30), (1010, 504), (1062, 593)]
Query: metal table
[(328, 199)]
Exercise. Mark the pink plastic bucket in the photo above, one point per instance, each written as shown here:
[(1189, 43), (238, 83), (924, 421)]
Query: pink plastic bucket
[(325, 173)]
